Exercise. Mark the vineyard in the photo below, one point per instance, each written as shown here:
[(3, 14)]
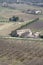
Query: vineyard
[(21, 52)]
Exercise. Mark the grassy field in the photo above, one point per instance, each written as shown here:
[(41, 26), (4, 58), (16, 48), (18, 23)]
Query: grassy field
[(21, 52), (23, 7), (6, 13), (8, 27)]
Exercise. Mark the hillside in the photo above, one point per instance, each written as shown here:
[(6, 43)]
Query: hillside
[(23, 0), (16, 50)]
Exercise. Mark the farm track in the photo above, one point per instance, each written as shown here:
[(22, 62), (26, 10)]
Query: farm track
[(27, 52)]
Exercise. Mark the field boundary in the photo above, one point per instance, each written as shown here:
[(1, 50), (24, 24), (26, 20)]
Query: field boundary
[(27, 23), (18, 38)]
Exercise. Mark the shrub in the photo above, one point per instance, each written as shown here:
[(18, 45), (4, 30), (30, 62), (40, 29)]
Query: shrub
[(14, 18), (14, 34), (41, 36)]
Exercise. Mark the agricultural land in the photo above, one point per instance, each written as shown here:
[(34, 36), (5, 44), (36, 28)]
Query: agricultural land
[(16, 50)]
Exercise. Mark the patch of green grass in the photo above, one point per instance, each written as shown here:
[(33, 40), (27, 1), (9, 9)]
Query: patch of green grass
[(3, 19), (4, 8)]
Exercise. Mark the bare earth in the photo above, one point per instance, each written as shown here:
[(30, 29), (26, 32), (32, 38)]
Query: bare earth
[(21, 52)]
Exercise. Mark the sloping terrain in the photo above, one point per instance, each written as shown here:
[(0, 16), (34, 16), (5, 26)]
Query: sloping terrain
[(22, 0), (35, 26), (18, 51), (6, 28), (6, 13), (21, 52)]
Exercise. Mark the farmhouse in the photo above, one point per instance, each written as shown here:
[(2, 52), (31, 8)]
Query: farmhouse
[(33, 11), (37, 12), (24, 31), (4, 4), (27, 33)]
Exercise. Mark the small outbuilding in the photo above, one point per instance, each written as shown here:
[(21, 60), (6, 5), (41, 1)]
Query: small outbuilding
[(33, 11), (4, 4), (27, 33)]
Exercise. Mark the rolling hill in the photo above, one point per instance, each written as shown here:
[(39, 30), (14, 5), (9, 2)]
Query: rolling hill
[(23, 0)]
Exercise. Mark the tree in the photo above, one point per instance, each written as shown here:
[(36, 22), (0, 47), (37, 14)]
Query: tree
[(14, 34), (14, 18)]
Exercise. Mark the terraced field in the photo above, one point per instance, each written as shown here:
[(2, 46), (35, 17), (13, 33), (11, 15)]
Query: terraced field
[(21, 52), (35, 26)]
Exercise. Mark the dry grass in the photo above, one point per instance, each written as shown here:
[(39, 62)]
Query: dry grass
[(6, 13)]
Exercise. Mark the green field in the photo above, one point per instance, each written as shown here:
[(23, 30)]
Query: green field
[(2, 13)]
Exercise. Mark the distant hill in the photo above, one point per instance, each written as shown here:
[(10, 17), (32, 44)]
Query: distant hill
[(23, 0), (7, 1)]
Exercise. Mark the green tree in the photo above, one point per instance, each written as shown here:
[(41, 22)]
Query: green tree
[(14, 18)]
